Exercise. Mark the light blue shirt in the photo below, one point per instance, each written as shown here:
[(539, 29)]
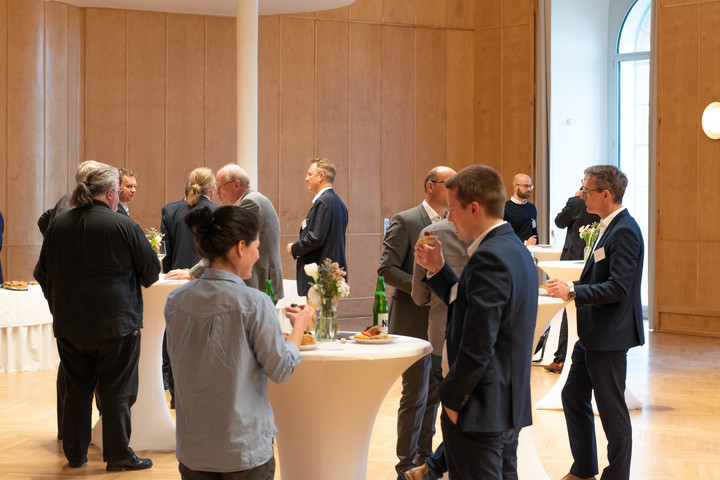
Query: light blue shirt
[(224, 341)]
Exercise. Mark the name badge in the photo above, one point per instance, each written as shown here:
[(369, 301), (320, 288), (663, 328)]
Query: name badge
[(599, 254), (303, 224), (534, 223), (453, 293)]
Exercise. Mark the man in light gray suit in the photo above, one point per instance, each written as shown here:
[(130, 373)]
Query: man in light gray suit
[(232, 185), (419, 401), (456, 256)]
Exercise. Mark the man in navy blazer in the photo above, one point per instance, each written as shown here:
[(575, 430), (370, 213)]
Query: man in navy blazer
[(491, 320), (610, 321), (322, 233)]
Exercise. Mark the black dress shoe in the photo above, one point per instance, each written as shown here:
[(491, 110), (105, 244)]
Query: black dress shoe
[(77, 464), (131, 463)]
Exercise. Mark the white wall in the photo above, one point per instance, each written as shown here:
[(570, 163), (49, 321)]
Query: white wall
[(578, 97)]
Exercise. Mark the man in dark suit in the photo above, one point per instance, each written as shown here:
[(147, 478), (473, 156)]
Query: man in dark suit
[(610, 321), (322, 233), (419, 400), (128, 187), (573, 216), (491, 320)]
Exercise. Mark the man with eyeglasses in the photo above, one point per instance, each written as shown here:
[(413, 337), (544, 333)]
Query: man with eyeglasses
[(609, 323), (232, 187), (418, 405), (519, 212)]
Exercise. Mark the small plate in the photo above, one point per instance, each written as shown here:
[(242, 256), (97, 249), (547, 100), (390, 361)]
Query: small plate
[(305, 348), (369, 341)]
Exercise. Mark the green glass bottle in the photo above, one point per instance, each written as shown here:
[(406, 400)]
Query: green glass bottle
[(269, 290), (380, 309)]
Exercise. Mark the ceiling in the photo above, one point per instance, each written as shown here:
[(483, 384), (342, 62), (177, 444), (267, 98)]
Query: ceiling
[(226, 8)]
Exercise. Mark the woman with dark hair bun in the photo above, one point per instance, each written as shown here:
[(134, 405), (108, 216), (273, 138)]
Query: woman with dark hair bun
[(225, 342)]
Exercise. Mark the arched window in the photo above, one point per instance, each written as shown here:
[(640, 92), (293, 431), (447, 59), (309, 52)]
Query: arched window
[(632, 62)]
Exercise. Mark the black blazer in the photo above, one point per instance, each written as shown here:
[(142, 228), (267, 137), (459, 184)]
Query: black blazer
[(179, 241), (323, 237), (489, 334), (609, 308), (573, 216)]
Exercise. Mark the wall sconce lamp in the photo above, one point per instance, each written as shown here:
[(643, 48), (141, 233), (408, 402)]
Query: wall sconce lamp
[(711, 120)]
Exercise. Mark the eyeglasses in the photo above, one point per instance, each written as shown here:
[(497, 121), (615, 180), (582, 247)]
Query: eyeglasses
[(585, 191), (437, 181), (218, 187), (527, 185)]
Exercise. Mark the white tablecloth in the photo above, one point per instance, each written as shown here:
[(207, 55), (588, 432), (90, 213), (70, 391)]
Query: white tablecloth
[(326, 410), (26, 335)]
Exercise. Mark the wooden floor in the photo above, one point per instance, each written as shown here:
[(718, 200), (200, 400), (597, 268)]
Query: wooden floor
[(676, 434)]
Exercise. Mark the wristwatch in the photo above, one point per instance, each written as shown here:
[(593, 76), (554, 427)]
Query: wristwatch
[(571, 293)]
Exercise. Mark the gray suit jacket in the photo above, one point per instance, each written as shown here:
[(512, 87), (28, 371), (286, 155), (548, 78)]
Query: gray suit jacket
[(269, 265), (396, 265), (456, 256)]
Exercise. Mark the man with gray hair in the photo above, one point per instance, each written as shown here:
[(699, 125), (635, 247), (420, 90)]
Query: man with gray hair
[(609, 323), (92, 266), (232, 186)]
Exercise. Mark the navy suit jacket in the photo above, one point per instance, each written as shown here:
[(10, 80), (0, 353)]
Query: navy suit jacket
[(489, 334), (179, 241), (609, 309), (323, 237)]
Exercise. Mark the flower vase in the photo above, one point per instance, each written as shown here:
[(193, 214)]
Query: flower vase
[(326, 325), (586, 252)]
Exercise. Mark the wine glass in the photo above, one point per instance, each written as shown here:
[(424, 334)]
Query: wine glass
[(160, 250)]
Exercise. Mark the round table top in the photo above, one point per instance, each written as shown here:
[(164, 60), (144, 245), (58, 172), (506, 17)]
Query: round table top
[(565, 270), (400, 347)]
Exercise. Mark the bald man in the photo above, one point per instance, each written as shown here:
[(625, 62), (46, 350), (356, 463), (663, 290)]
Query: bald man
[(519, 212)]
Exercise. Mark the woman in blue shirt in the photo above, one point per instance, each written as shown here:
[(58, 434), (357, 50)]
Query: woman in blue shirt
[(225, 342)]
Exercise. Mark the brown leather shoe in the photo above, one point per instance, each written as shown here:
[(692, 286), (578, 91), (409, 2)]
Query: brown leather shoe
[(419, 473), (554, 367), (570, 476)]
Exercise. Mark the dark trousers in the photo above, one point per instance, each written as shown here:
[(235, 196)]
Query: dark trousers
[(111, 365), (604, 374), (436, 461), (562, 340), (265, 471), (473, 455), (416, 415)]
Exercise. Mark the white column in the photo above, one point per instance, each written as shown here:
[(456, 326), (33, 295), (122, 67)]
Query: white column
[(247, 87)]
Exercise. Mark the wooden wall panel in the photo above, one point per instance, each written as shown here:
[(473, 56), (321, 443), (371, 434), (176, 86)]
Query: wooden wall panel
[(3, 132), (297, 118), (185, 101), (342, 13), (268, 109), (399, 12), (76, 92), (398, 119), (56, 102), (460, 98), (430, 105), (220, 92), (517, 96), (25, 107), (331, 94), (461, 14), (517, 11), (487, 13), (146, 106), (365, 197), (679, 120), (367, 10), (708, 265), (432, 13), (365, 251), (709, 91), (488, 108), (677, 280), (105, 85)]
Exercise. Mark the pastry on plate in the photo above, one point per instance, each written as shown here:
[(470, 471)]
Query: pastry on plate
[(372, 333)]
